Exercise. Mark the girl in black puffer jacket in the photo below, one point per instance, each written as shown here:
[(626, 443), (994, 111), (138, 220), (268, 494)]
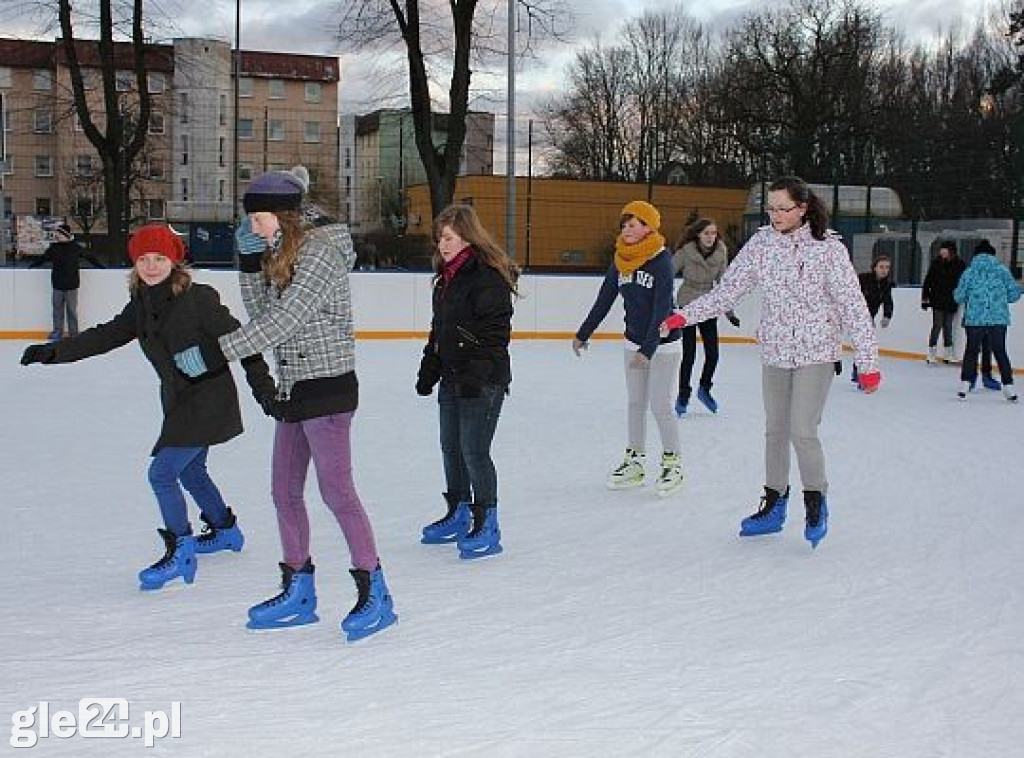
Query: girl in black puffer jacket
[(467, 353)]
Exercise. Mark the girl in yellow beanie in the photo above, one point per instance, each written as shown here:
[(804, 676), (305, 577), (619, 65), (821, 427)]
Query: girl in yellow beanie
[(642, 273)]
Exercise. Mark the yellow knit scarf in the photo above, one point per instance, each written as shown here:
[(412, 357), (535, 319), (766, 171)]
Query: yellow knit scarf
[(628, 258)]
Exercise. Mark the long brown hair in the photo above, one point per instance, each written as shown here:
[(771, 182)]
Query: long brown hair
[(180, 278), (799, 192), (464, 221), (692, 232), (279, 267)]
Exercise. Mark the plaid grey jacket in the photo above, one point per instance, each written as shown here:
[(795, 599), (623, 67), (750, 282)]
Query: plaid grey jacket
[(308, 324)]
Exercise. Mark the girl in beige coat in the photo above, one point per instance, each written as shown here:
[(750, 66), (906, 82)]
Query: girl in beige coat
[(701, 258)]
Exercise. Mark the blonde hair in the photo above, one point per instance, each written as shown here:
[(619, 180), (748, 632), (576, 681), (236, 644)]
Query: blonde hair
[(279, 267), (464, 221), (181, 279)]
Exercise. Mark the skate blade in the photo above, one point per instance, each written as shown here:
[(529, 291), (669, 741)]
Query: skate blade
[(748, 533), (297, 620), (233, 547), (145, 586), (470, 555), (669, 491), (625, 485), (386, 620), (445, 540)]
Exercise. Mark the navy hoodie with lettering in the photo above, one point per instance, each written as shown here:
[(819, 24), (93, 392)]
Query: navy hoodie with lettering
[(646, 298)]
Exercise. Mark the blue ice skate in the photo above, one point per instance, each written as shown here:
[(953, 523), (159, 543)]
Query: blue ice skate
[(682, 404), (990, 382), (295, 605), (454, 524), (816, 526), (374, 610), (179, 560), (704, 395), (485, 537), (770, 517), (214, 539)]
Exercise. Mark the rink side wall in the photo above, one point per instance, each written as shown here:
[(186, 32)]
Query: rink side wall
[(397, 306)]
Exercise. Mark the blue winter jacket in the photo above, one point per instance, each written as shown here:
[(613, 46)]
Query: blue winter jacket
[(986, 289), (646, 299)]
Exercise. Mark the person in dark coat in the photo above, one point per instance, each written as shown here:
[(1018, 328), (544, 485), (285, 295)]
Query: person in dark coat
[(166, 312), (937, 293), (65, 257), (876, 286), (467, 354)]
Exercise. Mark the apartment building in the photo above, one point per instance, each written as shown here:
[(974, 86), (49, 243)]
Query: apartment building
[(287, 115), (387, 163)]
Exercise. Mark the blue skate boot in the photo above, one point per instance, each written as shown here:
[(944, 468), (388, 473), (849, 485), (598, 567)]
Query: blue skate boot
[(704, 395), (682, 403), (216, 538), (485, 537), (374, 611), (770, 517), (816, 526), (449, 527), (990, 382), (179, 560), (295, 605)]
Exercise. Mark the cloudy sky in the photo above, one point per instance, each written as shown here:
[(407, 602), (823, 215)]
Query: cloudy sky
[(378, 80)]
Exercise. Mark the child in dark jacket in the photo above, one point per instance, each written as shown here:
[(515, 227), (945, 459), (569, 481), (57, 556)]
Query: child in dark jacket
[(642, 273), (166, 312), (467, 353)]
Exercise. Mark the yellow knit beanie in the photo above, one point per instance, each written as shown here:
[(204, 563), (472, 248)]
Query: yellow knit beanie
[(643, 211)]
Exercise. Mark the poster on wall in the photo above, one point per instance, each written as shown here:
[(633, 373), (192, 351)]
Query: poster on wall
[(33, 234)]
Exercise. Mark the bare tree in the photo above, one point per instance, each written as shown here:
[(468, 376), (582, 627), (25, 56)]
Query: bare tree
[(124, 132), (441, 39)]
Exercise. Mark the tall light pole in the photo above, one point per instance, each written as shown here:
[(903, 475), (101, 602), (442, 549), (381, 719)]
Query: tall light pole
[(237, 66), (510, 154)]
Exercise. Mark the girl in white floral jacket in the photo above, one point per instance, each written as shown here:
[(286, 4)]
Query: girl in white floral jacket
[(811, 297)]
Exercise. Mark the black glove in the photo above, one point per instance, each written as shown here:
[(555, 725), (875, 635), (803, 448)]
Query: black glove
[(838, 366), (429, 374), (733, 319), (924, 306), (44, 353), (271, 406)]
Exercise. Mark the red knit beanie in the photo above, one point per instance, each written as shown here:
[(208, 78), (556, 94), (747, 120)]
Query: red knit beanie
[(156, 238)]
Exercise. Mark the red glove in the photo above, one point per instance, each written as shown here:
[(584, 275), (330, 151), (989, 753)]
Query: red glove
[(869, 382), (675, 321)]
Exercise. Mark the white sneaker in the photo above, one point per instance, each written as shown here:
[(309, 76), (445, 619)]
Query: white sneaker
[(629, 473), (671, 477), (965, 387), (944, 355), (1010, 392), (930, 358)]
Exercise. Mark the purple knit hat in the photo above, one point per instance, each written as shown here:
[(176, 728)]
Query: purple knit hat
[(273, 191)]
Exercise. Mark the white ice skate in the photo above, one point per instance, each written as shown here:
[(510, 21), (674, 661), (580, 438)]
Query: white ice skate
[(671, 477), (629, 473)]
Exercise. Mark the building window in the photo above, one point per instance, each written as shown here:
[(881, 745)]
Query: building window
[(156, 83), (313, 92), (156, 169), (311, 131), (8, 120), (223, 113), (156, 122), (184, 189), (276, 89), (314, 175), (83, 207), (44, 165), (155, 209), (245, 87), (184, 150), (220, 190), (183, 107), (42, 80), (123, 80), (221, 144), (88, 79), (42, 121), (83, 165), (7, 166), (275, 130), (348, 157), (245, 128), (244, 172), (5, 77), (76, 122), (43, 206)]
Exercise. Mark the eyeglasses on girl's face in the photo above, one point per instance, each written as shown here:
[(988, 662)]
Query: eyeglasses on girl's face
[(777, 209)]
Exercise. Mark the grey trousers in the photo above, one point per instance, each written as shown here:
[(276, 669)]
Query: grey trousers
[(793, 402), (653, 387), (65, 300)]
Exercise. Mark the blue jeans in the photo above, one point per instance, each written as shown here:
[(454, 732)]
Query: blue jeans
[(186, 465), (467, 428)]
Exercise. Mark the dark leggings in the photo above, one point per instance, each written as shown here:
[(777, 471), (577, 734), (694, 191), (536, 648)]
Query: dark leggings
[(996, 337), (942, 321), (709, 336)]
